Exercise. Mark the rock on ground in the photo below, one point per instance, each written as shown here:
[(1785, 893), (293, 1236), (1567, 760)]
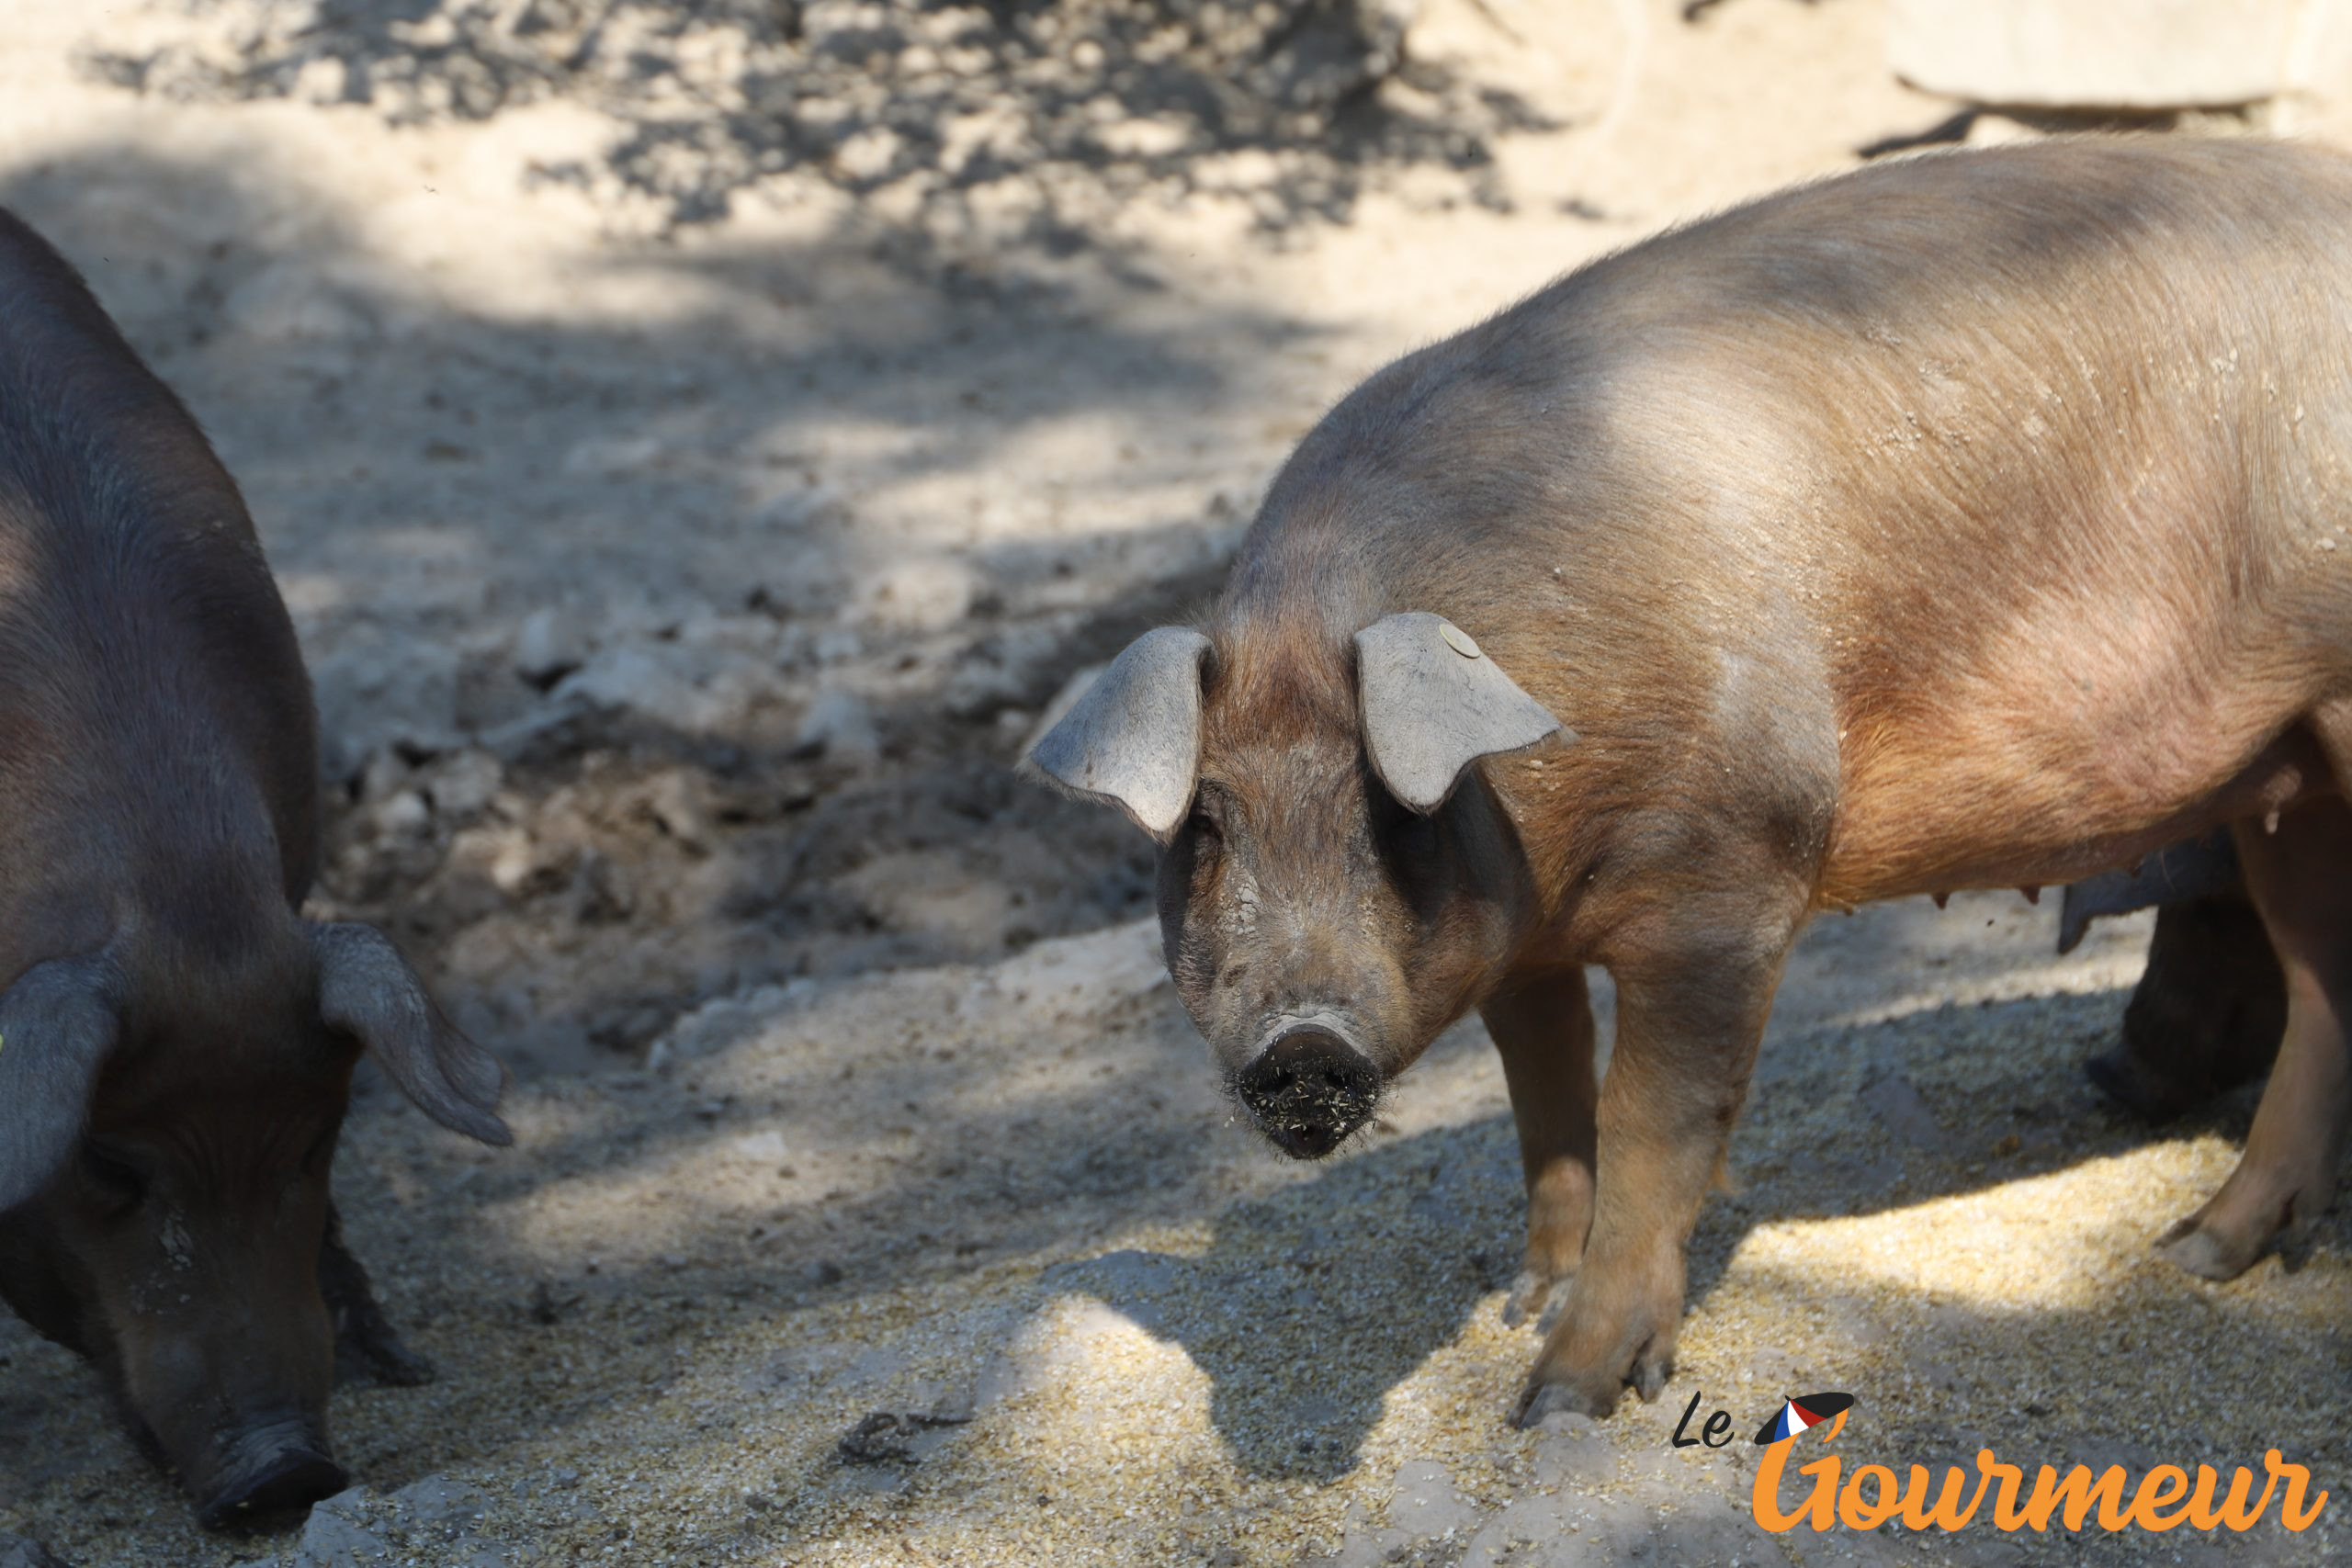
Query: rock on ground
[(434, 1519), (2121, 54)]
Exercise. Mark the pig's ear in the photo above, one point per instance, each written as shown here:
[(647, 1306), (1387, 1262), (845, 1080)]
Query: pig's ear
[(368, 991), (1433, 704), (57, 1024), (1134, 739)]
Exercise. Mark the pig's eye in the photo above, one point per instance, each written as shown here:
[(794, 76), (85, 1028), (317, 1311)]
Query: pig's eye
[(1204, 823), (113, 1175), (1196, 854)]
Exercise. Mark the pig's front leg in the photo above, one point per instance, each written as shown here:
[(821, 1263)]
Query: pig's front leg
[(366, 1343), (1690, 1013), (1542, 1028)]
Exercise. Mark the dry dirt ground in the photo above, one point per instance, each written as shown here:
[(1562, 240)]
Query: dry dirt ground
[(696, 443)]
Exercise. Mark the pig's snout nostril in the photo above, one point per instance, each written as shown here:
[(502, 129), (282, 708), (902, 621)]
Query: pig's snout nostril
[(1309, 1090), (272, 1486)]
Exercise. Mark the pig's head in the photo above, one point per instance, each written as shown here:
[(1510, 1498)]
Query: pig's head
[(166, 1130), (1336, 883)]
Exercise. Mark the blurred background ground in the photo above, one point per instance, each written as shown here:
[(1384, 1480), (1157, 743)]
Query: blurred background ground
[(696, 442)]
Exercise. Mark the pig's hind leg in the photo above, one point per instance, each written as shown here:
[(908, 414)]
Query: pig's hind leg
[(2300, 878), (1542, 1028)]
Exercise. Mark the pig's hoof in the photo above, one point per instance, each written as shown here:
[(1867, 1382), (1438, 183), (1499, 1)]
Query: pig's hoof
[(400, 1367), (380, 1359), (1535, 1298), (1540, 1400), (1651, 1370), (2205, 1253), (1595, 1394)]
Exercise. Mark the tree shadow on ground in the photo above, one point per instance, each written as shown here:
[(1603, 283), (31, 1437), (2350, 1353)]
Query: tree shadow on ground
[(429, 477), (966, 115)]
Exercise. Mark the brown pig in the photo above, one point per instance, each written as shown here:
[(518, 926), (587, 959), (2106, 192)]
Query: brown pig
[(1978, 520), (176, 1044)]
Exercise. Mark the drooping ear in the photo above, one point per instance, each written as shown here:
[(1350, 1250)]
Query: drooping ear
[(58, 1023), (1432, 704), (368, 991), (2197, 869), (1134, 739)]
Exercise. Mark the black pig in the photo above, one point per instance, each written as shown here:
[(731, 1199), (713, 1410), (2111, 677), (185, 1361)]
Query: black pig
[(2207, 1014), (176, 1044)]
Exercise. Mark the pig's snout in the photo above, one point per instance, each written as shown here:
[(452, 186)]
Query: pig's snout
[(1307, 1090), (270, 1471)]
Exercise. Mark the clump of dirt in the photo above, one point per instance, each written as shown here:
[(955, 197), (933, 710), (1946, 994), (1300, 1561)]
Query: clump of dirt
[(1053, 110)]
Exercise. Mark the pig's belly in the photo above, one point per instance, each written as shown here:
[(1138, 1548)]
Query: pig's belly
[(1949, 800)]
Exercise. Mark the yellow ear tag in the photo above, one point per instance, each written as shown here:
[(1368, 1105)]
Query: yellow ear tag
[(1458, 639)]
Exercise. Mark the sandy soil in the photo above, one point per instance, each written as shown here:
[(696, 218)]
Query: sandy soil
[(692, 469)]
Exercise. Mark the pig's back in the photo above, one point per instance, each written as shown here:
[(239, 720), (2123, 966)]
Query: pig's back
[(158, 715), (1945, 335), (1975, 469), (2053, 479)]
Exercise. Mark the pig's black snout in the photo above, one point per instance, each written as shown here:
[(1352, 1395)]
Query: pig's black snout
[(1309, 1090), (270, 1474)]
